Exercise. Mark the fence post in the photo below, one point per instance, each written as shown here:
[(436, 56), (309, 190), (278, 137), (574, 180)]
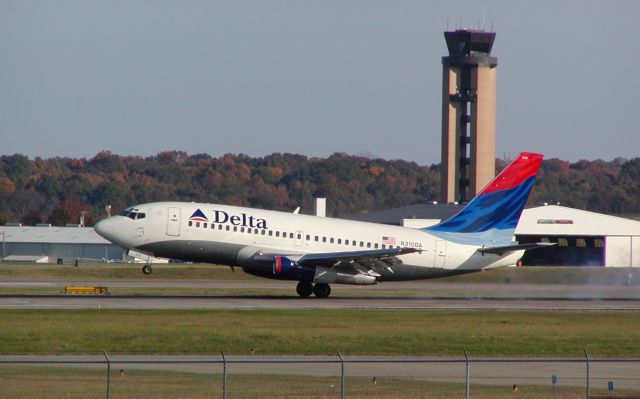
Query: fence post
[(341, 375), (586, 355), (108, 375), (466, 376), (224, 376)]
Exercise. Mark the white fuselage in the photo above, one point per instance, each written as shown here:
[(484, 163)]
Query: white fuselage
[(231, 235)]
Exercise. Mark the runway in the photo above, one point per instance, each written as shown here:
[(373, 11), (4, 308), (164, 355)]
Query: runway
[(281, 295), (280, 302)]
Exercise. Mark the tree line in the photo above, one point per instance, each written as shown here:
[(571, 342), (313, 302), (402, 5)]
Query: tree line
[(58, 190)]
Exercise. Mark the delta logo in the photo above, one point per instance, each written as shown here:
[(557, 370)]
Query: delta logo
[(198, 216)]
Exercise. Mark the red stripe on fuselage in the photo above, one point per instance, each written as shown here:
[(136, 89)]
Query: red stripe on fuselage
[(522, 168)]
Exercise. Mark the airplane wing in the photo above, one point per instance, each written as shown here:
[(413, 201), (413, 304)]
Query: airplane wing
[(369, 262), (505, 249)]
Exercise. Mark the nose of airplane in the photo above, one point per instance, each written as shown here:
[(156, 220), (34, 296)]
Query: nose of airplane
[(106, 228)]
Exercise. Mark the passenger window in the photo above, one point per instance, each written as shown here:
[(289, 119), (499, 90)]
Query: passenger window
[(213, 226), (375, 245), (354, 243), (190, 223), (277, 234), (324, 239), (270, 233), (291, 235), (197, 224), (228, 228), (220, 227), (308, 237), (331, 240), (384, 246), (368, 245), (361, 244), (263, 232), (235, 228), (299, 236), (316, 239), (339, 240), (204, 225)]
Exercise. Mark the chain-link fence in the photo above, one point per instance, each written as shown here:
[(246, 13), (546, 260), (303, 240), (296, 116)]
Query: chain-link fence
[(250, 376)]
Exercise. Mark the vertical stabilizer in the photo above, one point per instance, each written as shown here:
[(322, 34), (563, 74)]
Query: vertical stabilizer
[(492, 216)]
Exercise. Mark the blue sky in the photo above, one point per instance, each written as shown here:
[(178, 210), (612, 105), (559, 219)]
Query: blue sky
[(309, 77)]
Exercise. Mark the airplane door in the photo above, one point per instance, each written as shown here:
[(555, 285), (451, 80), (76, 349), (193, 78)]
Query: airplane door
[(299, 238), (440, 254), (173, 222)]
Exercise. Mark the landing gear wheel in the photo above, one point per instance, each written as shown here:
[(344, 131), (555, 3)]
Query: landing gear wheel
[(146, 269), (322, 290), (304, 289)]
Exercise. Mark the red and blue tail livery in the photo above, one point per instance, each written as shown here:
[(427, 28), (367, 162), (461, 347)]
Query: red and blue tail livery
[(492, 216)]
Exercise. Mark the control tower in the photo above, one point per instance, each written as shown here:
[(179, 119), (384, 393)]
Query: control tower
[(468, 114)]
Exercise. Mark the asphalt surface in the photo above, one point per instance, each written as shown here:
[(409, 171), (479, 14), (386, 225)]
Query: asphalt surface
[(390, 295), (494, 371)]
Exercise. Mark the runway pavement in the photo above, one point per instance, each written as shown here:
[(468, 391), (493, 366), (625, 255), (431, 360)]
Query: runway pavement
[(268, 302), (281, 295)]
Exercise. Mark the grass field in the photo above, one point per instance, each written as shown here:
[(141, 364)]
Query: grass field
[(38, 382), (120, 270), (319, 332)]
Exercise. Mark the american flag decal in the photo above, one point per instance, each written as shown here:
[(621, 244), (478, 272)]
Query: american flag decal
[(389, 240)]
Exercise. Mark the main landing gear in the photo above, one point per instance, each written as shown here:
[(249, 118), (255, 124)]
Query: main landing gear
[(320, 290), (146, 269)]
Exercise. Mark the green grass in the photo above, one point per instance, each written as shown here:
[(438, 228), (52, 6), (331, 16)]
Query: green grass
[(119, 270), (319, 332)]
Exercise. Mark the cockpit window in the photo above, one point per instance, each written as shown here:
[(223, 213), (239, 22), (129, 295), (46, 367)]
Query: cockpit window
[(132, 213)]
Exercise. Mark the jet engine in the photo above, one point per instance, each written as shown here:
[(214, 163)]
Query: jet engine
[(287, 269)]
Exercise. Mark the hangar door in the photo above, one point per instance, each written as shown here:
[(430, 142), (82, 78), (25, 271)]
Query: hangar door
[(622, 251), (568, 251)]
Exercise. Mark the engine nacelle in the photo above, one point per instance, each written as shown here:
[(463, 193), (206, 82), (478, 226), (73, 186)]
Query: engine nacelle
[(287, 269)]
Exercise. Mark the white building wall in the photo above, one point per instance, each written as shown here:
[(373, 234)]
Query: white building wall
[(617, 251), (635, 251)]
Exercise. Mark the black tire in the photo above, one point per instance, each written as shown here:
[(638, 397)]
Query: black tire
[(322, 290), (146, 269), (304, 289)]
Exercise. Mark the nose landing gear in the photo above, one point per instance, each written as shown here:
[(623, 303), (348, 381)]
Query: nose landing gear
[(320, 290)]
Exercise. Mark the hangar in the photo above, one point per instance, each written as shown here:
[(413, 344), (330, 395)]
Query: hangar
[(583, 238), (48, 244)]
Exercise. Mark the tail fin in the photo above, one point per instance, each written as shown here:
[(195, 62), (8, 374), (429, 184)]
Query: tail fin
[(492, 216)]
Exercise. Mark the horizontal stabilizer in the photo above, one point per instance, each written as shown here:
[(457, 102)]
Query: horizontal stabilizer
[(505, 249)]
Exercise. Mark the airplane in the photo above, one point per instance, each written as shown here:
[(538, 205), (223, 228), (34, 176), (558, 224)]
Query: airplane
[(319, 251)]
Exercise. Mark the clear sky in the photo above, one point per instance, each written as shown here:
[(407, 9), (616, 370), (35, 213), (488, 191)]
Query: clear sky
[(310, 77)]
